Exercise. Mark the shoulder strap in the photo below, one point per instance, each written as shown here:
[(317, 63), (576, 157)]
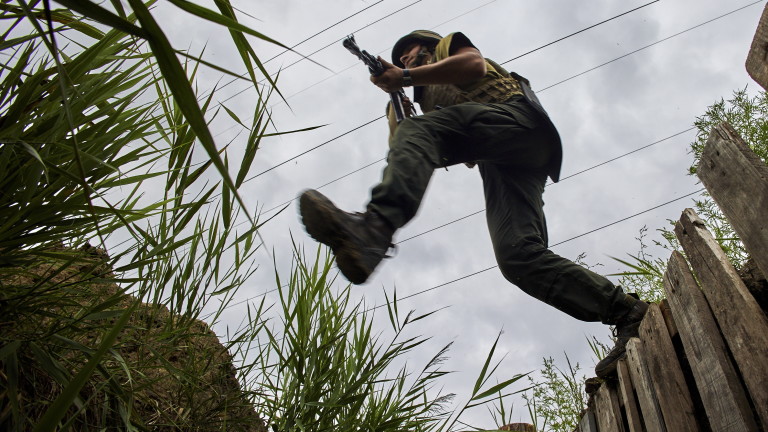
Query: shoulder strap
[(500, 69)]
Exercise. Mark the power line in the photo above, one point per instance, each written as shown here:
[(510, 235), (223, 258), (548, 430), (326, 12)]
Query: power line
[(483, 210), (475, 273), (546, 88), (309, 38), (353, 64), (564, 178), (245, 75), (472, 10), (652, 44), (554, 245), (313, 148), (282, 205), (580, 31), (323, 48), (543, 89), (361, 28), (480, 211), (444, 22), (323, 31), (358, 127), (562, 242), (677, 34)]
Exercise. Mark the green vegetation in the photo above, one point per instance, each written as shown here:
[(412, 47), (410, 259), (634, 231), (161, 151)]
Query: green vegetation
[(749, 117), (90, 118), (556, 401), (327, 368)]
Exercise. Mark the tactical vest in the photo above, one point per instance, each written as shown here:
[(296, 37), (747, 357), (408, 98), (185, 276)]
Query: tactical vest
[(490, 90)]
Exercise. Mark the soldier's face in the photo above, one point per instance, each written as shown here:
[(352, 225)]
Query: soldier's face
[(410, 56)]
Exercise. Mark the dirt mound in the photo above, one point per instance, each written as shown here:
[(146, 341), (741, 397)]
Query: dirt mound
[(165, 373)]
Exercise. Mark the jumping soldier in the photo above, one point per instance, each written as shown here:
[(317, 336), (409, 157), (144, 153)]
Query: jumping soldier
[(475, 112)]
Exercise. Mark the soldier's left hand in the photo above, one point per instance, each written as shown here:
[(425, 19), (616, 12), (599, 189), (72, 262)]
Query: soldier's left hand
[(392, 78)]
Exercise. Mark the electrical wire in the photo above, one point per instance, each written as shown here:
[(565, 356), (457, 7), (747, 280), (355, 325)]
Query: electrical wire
[(652, 44), (475, 273), (554, 245), (245, 75), (438, 25), (467, 276), (580, 31), (356, 64), (312, 149), (483, 210), (304, 57), (464, 217), (538, 91), (323, 31), (550, 184), (544, 89)]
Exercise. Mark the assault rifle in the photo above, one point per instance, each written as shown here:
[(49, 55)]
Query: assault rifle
[(376, 69)]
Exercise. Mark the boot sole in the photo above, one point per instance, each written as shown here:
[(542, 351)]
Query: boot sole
[(319, 216), (609, 369)]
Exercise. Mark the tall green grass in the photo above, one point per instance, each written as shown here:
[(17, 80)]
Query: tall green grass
[(96, 110), (323, 366)]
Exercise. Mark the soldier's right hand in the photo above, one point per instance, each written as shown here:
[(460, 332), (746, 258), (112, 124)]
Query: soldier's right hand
[(392, 78)]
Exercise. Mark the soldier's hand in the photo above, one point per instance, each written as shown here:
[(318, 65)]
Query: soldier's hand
[(392, 78)]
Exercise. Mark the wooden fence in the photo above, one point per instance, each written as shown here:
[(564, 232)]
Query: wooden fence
[(701, 361)]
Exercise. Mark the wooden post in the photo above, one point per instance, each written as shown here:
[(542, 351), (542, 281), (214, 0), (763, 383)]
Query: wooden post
[(738, 181), (742, 322), (721, 392), (587, 423), (666, 376), (666, 312), (607, 411), (643, 384), (628, 396), (757, 60)]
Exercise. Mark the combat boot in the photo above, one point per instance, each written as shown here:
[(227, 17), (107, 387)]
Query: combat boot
[(627, 327), (358, 240)]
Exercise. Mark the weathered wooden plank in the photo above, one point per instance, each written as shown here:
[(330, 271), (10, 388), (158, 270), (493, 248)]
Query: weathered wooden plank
[(740, 319), (607, 411), (757, 60), (627, 393), (666, 312), (638, 371), (738, 181), (588, 423), (666, 376), (722, 395)]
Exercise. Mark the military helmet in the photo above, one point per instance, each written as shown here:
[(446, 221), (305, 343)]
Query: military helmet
[(426, 37)]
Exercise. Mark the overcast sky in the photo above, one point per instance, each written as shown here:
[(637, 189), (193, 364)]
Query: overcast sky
[(637, 100)]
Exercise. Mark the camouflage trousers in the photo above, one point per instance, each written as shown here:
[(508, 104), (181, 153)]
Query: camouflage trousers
[(512, 147)]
